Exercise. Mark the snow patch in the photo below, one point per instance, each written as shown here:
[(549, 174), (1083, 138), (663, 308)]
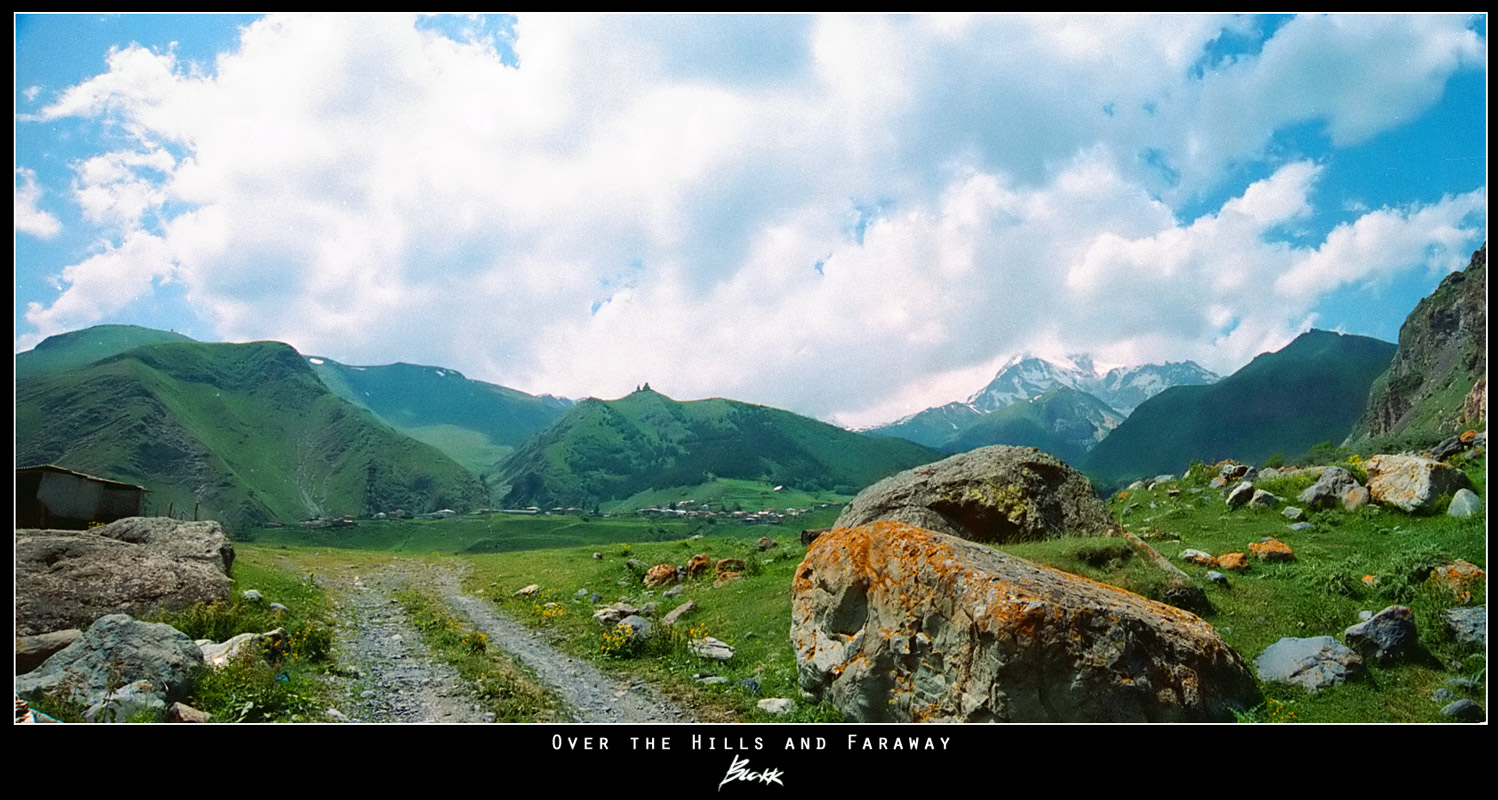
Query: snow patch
[(317, 361)]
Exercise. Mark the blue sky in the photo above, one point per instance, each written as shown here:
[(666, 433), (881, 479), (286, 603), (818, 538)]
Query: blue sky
[(853, 217)]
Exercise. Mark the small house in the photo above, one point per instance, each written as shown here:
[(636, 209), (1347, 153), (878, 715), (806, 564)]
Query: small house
[(49, 496)]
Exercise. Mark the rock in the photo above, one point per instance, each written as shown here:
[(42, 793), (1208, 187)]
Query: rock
[(1300, 526), (810, 535), (992, 494), (337, 716), (138, 566), (765, 543), (698, 564), (775, 705), (1467, 625), (1329, 489), (1464, 504), (649, 610), (1410, 483), (710, 648), (118, 650), (1263, 499), (749, 685), (1458, 575), (1271, 549), (598, 556), (635, 565), (252, 596), (1217, 578), (674, 591), (1312, 664), (639, 627), (182, 712), (1355, 498), (1293, 514), (1464, 710), (660, 575), (1236, 561), (894, 623), (135, 701), (1198, 557), (1240, 495), (1475, 404), (278, 608), (1387, 635), (711, 680), (219, 655), (528, 590), (31, 651), (680, 611), (729, 565), (1447, 448)]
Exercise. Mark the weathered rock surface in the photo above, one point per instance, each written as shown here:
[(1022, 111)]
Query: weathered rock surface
[(219, 654), (1464, 503), (31, 651), (894, 623), (1312, 664), (993, 494), (660, 575), (1412, 483), (118, 651), (137, 566), (1468, 625), (1387, 635), (1329, 489)]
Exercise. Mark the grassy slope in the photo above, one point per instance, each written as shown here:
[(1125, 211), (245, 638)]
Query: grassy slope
[(1285, 402), (610, 450), (72, 350), (246, 432)]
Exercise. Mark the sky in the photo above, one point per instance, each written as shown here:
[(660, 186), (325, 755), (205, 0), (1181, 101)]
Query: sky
[(850, 217)]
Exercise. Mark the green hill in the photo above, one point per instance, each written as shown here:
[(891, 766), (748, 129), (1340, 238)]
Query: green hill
[(246, 433), (1285, 402), (610, 450), (67, 351), (473, 422)]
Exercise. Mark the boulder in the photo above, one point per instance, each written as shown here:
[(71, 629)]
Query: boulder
[(1236, 561), (1198, 557), (765, 543), (728, 568), (1411, 483), (1263, 499), (220, 654), (1329, 489), (776, 705), (31, 651), (1464, 710), (993, 494), (698, 565), (1239, 495), (1467, 625), (677, 613), (118, 651), (1385, 636), (1464, 504), (1271, 549), (138, 566), (1312, 664), (709, 648), (894, 623), (660, 575)]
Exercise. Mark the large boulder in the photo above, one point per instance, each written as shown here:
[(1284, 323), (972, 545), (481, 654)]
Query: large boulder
[(1312, 664), (993, 494), (117, 652), (137, 566), (1412, 483), (894, 623), (1329, 489)]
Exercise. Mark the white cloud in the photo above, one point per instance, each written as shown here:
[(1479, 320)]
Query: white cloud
[(617, 209), (30, 218)]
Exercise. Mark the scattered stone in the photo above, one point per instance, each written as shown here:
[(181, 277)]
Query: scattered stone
[(184, 713), (1371, 581), (1329, 489), (1240, 495), (1448, 448), (649, 609), (1458, 575), (31, 651), (809, 536), (598, 556), (749, 685), (1312, 664), (1263, 499), (710, 648), (583, 593), (1272, 549), (660, 575), (118, 650), (1198, 557), (1292, 513), (1462, 684), (729, 565), (992, 494), (337, 716), (1464, 710), (278, 608), (1218, 482), (219, 655), (1443, 695), (674, 591), (1468, 625), (891, 622), (775, 705), (712, 680), (528, 591), (1237, 561), (1217, 578), (1464, 504), (1412, 483), (1355, 498), (137, 565), (635, 565), (698, 565), (677, 613), (1300, 526), (1387, 635), (639, 627), (765, 543)]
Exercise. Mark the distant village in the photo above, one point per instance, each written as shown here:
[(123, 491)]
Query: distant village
[(681, 511)]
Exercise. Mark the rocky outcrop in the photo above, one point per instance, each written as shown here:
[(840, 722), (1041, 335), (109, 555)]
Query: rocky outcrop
[(894, 623), (1442, 344), (1412, 484), (137, 566), (995, 494), (147, 662), (1312, 664)]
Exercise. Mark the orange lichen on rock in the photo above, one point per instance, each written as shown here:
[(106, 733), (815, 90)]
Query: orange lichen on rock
[(660, 575), (1236, 561), (1458, 574), (1271, 549), (698, 565)]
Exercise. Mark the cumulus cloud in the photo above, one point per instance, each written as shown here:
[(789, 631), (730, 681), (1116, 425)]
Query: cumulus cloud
[(30, 218), (847, 216)]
